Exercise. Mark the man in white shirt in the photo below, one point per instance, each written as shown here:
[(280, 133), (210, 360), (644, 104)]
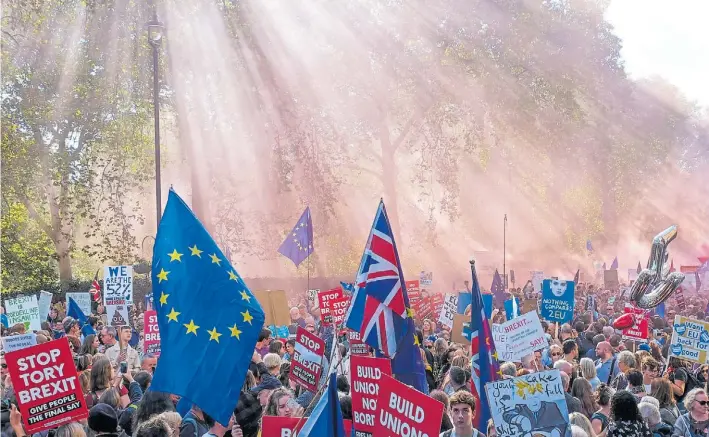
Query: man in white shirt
[(122, 351)]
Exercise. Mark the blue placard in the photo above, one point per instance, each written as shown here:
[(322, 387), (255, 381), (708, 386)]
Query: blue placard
[(488, 304), (464, 299), (512, 310), (558, 300)]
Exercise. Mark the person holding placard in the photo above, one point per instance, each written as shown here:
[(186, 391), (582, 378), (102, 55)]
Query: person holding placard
[(122, 351)]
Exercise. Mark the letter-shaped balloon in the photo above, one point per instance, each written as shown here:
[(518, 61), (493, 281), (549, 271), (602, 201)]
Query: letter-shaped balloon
[(654, 285)]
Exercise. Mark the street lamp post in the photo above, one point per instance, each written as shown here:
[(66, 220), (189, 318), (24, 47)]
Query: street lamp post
[(155, 30)]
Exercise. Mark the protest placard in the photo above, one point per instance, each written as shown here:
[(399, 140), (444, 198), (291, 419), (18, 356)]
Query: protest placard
[(449, 310), (25, 310), (425, 279), (464, 299), (366, 374), (357, 346), (405, 411), (461, 331), (83, 300), (312, 297), (535, 402), (513, 308), (690, 340), (530, 305), (117, 315), (306, 365), (275, 307), (46, 384), (519, 337), (557, 300), (117, 285), (537, 279), (151, 333), (324, 299), (610, 279), (44, 303), (338, 310), (278, 426), (641, 330), (16, 342)]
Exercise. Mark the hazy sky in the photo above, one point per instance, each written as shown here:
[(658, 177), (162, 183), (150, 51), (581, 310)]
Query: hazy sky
[(666, 38)]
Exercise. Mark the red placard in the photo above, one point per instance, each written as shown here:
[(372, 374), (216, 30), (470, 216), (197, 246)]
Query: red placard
[(324, 299), (277, 426), (405, 411), (357, 346), (366, 374), (151, 333), (412, 286), (47, 385), (641, 330), (338, 310), (307, 359)]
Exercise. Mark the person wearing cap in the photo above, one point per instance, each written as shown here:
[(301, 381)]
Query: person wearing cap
[(103, 420)]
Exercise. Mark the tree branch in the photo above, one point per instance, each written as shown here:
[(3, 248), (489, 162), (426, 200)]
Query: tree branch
[(33, 213), (407, 127)]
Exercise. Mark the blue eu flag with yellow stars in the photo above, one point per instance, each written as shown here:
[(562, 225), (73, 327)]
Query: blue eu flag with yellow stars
[(209, 320), (298, 244)]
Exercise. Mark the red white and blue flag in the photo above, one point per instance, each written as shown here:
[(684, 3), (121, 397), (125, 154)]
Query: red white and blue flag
[(484, 357), (380, 305)]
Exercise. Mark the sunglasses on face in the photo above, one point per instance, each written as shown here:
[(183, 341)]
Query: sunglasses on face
[(555, 354), (703, 403), (3, 365)]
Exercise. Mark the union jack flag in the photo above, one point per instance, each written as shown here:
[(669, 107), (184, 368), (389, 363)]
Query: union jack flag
[(484, 357), (95, 289), (380, 305)]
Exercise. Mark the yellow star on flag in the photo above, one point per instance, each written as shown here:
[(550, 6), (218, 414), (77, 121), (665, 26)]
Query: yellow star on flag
[(233, 276), (416, 340), (162, 276), (410, 312), (175, 256), (191, 327), (173, 315), (195, 252), (163, 298), (245, 296), (214, 335), (215, 259), (495, 355), (247, 317), (235, 332)]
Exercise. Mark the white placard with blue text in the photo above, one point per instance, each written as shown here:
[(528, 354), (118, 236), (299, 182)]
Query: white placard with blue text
[(557, 300), (118, 285), (83, 300), (690, 340)]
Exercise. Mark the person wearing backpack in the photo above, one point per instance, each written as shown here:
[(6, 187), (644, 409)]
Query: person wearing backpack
[(196, 423)]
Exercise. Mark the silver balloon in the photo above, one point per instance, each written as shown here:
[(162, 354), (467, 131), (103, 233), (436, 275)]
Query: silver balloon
[(654, 285)]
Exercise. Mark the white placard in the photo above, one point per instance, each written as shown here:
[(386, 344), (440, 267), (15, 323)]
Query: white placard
[(117, 285), (14, 343), (425, 279), (83, 300), (537, 278), (449, 310), (117, 315), (45, 304), (519, 337), (23, 309)]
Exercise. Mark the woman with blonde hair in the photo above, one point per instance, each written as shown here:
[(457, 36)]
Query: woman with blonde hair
[(588, 371), (582, 422), (72, 429)]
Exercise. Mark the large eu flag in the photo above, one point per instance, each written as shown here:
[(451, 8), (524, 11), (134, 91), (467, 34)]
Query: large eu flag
[(298, 244), (209, 320)]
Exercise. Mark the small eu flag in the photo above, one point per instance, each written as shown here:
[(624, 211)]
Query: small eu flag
[(298, 244), (209, 320)]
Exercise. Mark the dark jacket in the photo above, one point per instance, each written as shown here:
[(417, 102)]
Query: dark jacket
[(268, 382), (661, 430), (573, 404)]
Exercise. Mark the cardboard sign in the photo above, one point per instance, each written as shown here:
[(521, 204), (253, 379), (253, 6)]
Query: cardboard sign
[(117, 315), (14, 343), (44, 303), (117, 285), (275, 307), (338, 310), (357, 346), (366, 374), (519, 337), (25, 310), (461, 331), (530, 305), (47, 385), (610, 279), (151, 333), (641, 330), (306, 364), (405, 411), (558, 300), (535, 402), (83, 300), (690, 340), (449, 310), (324, 299), (277, 426)]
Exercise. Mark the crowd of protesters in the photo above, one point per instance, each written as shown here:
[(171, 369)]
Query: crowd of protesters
[(614, 387)]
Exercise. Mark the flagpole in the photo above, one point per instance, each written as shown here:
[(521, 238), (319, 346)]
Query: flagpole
[(504, 253)]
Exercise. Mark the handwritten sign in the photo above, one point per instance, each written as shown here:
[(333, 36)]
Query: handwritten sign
[(519, 337), (405, 411), (690, 340), (557, 300), (641, 330), (366, 373), (151, 333), (117, 285), (117, 315), (47, 386), (16, 342), (449, 310), (535, 402), (357, 346), (83, 300), (338, 310), (324, 299), (306, 365), (44, 303), (25, 310)]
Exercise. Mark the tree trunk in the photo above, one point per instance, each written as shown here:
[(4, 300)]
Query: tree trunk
[(65, 270)]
